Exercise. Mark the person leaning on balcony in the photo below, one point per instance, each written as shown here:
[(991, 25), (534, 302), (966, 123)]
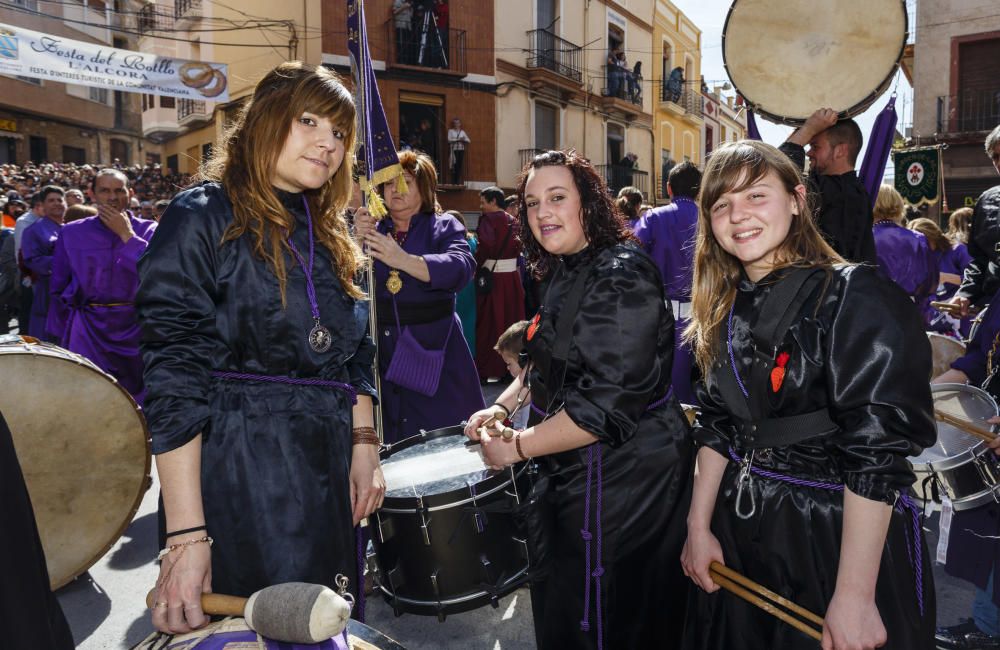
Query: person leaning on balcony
[(982, 275), (402, 17)]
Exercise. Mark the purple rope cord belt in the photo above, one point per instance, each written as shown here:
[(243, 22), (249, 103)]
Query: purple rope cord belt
[(904, 504), (294, 381)]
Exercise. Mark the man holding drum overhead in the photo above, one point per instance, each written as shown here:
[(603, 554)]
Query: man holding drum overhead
[(845, 209)]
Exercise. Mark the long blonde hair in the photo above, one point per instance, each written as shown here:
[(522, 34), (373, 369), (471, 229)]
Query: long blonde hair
[(733, 167), (244, 165)]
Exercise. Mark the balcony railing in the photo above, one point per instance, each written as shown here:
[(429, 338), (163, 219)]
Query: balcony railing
[(527, 155), (686, 94), (427, 46), (190, 109), (619, 176), (546, 50), (187, 9), (150, 20), (968, 111), (620, 83)]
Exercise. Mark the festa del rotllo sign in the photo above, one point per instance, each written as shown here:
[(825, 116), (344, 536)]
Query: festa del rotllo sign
[(27, 53)]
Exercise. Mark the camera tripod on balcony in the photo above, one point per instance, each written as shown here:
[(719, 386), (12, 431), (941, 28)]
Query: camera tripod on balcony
[(430, 22)]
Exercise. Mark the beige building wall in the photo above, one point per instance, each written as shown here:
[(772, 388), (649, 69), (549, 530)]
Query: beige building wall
[(573, 97), (183, 130)]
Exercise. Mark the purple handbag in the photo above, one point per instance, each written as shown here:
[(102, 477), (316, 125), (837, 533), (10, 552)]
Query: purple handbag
[(412, 365)]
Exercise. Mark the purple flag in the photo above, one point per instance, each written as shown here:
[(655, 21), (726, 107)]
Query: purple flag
[(377, 149), (879, 145), (752, 132)]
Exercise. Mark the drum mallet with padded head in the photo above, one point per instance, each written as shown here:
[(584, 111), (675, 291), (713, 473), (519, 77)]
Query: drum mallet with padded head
[(293, 612)]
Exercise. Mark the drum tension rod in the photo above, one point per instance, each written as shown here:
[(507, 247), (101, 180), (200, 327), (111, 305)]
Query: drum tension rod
[(425, 521)]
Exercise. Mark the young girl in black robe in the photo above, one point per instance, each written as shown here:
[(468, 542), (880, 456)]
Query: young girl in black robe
[(848, 363), (611, 441)]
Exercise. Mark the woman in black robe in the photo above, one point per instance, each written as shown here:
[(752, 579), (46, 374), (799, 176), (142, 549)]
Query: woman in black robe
[(257, 356), (610, 440), (848, 363)]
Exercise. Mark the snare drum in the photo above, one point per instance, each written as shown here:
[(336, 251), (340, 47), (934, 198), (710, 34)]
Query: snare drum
[(966, 469), (944, 350), (83, 447), (445, 539)]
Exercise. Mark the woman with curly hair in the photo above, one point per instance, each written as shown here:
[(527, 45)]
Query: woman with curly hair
[(258, 359), (610, 441)]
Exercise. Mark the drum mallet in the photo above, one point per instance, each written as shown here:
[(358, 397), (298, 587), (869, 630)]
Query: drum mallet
[(292, 612)]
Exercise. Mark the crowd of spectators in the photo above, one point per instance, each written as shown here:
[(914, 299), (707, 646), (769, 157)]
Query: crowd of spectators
[(150, 182)]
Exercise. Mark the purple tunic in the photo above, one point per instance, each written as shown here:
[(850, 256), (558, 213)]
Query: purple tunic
[(905, 257), (440, 240), (37, 246), (94, 275), (667, 234)]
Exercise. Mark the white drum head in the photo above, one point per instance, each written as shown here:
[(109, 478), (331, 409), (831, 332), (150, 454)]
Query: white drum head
[(788, 57), (965, 402)]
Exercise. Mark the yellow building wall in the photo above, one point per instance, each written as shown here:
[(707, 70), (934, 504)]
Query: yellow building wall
[(188, 147)]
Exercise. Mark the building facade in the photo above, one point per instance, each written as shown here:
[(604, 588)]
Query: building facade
[(556, 89), (183, 131), (732, 117), (48, 121), (432, 65), (679, 105), (955, 74)]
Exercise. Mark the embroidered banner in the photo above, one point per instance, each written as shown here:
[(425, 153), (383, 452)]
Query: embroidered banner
[(918, 176), (26, 53)]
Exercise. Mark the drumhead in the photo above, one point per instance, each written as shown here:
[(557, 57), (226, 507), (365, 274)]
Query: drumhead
[(965, 402), (83, 447), (944, 350), (787, 57), (435, 465)]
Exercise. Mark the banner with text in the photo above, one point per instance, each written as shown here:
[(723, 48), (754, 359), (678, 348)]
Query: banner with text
[(42, 56)]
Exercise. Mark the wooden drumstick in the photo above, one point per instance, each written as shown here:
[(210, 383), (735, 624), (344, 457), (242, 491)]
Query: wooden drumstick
[(740, 585), (965, 425), (946, 307)]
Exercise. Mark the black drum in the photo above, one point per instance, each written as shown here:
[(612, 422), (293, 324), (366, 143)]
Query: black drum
[(445, 539)]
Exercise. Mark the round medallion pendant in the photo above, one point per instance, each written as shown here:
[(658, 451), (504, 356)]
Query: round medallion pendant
[(320, 339)]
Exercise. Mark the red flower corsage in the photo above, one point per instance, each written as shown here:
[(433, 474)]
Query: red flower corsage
[(778, 372), (533, 326)]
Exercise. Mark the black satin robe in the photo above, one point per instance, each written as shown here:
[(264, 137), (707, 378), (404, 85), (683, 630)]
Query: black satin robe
[(275, 457), (619, 363), (859, 350)]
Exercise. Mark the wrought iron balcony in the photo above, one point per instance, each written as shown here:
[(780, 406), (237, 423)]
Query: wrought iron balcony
[(968, 111), (427, 46), (150, 20), (620, 83), (548, 51), (190, 110), (687, 95), (187, 9), (619, 176)]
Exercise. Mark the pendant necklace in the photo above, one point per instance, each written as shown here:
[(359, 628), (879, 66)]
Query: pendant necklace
[(319, 338), (394, 283)]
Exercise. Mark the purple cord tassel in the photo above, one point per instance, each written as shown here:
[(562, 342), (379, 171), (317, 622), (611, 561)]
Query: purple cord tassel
[(585, 534), (599, 571), (359, 536)]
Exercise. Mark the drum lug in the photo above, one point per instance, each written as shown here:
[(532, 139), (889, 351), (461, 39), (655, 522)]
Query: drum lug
[(425, 521), (437, 596), (385, 527), (523, 545), (985, 469)]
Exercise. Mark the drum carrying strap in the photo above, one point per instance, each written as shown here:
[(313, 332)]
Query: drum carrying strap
[(556, 375), (755, 428)]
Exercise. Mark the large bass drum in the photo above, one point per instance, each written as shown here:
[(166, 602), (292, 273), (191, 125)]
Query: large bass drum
[(82, 445), (445, 537), (788, 57), (967, 471)]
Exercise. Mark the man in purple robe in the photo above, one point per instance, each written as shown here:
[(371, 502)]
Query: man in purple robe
[(37, 246), (94, 276), (667, 234)]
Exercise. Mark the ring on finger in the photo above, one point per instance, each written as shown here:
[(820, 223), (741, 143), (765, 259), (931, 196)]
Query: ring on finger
[(159, 605)]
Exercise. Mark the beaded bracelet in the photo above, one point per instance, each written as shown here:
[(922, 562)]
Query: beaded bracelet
[(191, 542)]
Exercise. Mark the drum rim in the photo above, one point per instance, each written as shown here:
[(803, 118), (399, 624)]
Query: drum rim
[(968, 454), (515, 581), (452, 498), (56, 352), (851, 112)]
